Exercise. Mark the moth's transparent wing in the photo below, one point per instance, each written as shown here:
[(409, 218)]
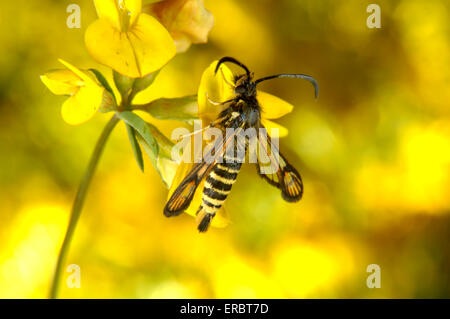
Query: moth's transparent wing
[(275, 169)]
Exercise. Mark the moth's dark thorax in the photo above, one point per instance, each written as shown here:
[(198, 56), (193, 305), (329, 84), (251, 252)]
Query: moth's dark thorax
[(252, 112), (249, 109)]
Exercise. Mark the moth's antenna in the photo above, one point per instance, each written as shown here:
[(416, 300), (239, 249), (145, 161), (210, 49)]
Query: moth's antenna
[(299, 76), (232, 60)]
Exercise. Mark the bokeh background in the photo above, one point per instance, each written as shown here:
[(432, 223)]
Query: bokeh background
[(373, 150)]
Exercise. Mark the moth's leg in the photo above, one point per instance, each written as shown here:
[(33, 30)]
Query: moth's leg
[(219, 103), (212, 124), (193, 133)]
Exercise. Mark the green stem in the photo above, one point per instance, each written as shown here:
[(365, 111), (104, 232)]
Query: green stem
[(79, 201)]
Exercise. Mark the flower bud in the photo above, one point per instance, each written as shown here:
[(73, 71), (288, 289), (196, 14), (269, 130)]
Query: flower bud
[(187, 20)]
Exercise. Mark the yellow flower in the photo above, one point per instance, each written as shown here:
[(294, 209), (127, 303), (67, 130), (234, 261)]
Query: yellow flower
[(130, 42), (216, 87), (187, 20), (87, 96)]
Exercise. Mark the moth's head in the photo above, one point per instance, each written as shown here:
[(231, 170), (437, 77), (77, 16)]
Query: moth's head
[(244, 85)]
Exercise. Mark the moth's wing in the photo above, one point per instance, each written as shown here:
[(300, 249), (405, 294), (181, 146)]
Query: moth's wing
[(183, 194), (275, 169)]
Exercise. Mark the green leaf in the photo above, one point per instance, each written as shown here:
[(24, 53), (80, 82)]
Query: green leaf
[(165, 145), (144, 131), (182, 108), (103, 82), (156, 145), (165, 167), (143, 83), (123, 84), (135, 147)]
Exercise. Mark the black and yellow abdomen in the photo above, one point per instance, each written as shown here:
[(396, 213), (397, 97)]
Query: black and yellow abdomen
[(217, 187)]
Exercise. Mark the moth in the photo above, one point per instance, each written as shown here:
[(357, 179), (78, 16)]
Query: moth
[(221, 170)]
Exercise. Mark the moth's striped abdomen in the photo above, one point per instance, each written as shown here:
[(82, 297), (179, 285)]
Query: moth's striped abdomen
[(217, 187)]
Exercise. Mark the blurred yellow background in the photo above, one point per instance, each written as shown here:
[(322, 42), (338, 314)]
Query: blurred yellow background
[(373, 151)]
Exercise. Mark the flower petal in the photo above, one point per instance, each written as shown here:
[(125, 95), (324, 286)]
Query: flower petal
[(273, 107), (221, 220), (134, 7), (167, 169), (82, 105), (111, 47), (194, 21), (215, 88), (153, 45), (144, 49), (86, 78), (61, 82), (108, 9), (273, 129), (113, 9)]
